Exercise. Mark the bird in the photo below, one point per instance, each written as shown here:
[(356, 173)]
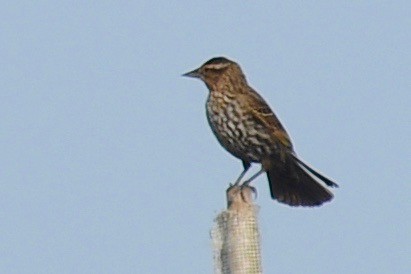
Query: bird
[(246, 127)]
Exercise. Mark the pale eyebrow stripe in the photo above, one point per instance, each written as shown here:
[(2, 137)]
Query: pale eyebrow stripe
[(216, 66)]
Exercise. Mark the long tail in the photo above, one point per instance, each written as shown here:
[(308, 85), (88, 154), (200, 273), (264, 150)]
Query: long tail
[(293, 182)]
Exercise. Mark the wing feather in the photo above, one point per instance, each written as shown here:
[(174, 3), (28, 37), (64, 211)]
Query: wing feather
[(263, 113)]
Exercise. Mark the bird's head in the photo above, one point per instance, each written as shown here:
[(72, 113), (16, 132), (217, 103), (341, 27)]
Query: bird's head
[(217, 71)]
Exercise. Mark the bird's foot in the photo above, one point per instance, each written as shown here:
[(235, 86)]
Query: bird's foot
[(243, 192), (246, 185)]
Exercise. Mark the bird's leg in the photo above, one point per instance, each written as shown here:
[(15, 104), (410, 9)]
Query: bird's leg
[(247, 182), (246, 166)]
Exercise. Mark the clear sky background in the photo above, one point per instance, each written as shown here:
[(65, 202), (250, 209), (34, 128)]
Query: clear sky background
[(108, 165)]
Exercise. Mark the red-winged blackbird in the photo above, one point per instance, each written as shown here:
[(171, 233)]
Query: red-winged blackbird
[(247, 128)]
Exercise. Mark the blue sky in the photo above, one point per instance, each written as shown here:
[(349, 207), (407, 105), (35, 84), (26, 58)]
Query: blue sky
[(108, 164)]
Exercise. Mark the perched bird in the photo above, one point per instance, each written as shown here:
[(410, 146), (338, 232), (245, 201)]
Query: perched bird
[(246, 127)]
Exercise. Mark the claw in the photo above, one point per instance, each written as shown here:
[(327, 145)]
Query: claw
[(253, 189)]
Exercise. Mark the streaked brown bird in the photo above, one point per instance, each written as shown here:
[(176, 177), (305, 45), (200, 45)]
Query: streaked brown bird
[(246, 127)]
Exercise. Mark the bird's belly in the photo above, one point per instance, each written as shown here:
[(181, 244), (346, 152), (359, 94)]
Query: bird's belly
[(239, 134)]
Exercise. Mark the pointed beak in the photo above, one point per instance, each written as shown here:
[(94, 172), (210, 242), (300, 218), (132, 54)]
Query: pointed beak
[(194, 74)]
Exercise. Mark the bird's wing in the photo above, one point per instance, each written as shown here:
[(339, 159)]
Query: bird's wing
[(263, 113)]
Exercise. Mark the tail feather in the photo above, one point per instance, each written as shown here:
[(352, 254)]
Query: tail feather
[(327, 181), (292, 184)]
